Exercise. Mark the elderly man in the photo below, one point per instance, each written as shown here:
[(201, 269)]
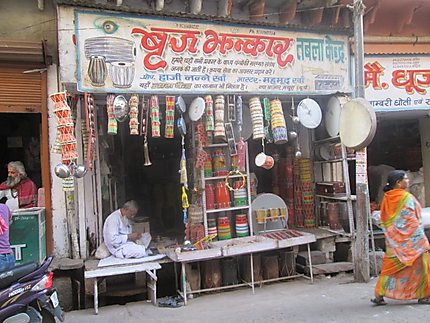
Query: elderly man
[(18, 189), (118, 235)]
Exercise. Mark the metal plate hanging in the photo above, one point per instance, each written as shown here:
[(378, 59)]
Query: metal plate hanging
[(182, 127), (196, 109), (309, 113), (180, 105)]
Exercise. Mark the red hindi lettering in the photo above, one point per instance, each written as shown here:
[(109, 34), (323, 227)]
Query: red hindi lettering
[(213, 40), (372, 75), (407, 79), (280, 48), (187, 39), (154, 43)]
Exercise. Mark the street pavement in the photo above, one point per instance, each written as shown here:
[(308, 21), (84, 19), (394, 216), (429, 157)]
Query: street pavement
[(328, 299)]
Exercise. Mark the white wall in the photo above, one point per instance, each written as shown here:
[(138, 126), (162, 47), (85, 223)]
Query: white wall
[(60, 233), (425, 150)]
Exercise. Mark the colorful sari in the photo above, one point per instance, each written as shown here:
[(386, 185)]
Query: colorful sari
[(405, 269)]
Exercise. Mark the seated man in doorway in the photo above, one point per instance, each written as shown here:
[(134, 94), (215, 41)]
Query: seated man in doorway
[(18, 189), (118, 235)]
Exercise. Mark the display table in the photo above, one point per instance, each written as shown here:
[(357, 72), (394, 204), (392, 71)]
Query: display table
[(149, 267), (241, 246)]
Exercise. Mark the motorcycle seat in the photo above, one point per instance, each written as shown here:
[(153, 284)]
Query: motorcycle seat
[(9, 276)]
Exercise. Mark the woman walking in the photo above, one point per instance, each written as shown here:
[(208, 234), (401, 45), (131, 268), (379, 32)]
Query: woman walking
[(405, 272)]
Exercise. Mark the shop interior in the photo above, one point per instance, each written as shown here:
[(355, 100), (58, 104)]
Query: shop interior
[(396, 145), (19, 141), (157, 187)]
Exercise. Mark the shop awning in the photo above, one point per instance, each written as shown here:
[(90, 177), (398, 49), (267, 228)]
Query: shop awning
[(24, 51), (398, 113)]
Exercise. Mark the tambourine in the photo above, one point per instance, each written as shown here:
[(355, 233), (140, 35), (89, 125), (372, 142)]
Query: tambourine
[(235, 172)]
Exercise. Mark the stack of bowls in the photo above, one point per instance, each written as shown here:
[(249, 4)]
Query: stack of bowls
[(257, 118), (224, 232), (240, 197), (219, 132), (242, 229), (305, 167), (210, 125), (212, 228), (279, 128)]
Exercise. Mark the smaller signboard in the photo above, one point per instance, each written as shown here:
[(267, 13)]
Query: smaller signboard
[(397, 82)]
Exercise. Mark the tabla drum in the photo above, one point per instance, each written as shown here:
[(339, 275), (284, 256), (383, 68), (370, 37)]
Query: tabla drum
[(97, 70)]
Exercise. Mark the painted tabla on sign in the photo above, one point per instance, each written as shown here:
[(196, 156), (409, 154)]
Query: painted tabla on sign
[(397, 82), (124, 53)]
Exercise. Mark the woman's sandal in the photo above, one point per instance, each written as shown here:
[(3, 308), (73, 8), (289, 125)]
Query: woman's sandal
[(424, 300), (378, 301)]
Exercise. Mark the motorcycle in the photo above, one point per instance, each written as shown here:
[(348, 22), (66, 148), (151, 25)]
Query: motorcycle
[(27, 295)]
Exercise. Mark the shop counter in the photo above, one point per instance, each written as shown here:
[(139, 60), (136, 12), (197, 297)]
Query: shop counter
[(278, 239)]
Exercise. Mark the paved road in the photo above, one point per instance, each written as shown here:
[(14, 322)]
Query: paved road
[(335, 299)]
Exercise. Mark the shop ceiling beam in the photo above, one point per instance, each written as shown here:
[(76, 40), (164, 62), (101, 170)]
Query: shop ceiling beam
[(406, 17), (256, 9), (41, 4), (287, 12), (195, 6), (224, 8), (158, 5), (397, 39)]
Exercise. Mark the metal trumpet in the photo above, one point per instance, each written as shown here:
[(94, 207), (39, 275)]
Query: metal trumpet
[(146, 154)]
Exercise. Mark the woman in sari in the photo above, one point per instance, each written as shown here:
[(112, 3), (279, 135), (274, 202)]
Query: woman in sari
[(405, 268)]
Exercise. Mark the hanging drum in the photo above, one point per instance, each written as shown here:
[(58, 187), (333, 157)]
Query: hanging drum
[(357, 112), (332, 114), (257, 118), (279, 127)]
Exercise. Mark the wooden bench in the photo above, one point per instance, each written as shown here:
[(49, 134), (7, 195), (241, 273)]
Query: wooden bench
[(149, 267)]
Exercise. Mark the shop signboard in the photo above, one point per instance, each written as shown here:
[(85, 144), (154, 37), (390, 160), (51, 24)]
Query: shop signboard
[(126, 53), (395, 83), (27, 235)]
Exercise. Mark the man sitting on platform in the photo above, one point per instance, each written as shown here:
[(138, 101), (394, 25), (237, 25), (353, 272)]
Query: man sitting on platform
[(118, 235)]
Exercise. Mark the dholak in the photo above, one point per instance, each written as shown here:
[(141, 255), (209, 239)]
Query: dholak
[(193, 275), (211, 274), (333, 216), (245, 268), (270, 266), (229, 271), (287, 263)]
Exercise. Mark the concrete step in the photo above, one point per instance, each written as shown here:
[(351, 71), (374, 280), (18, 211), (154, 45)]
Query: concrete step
[(325, 269)]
